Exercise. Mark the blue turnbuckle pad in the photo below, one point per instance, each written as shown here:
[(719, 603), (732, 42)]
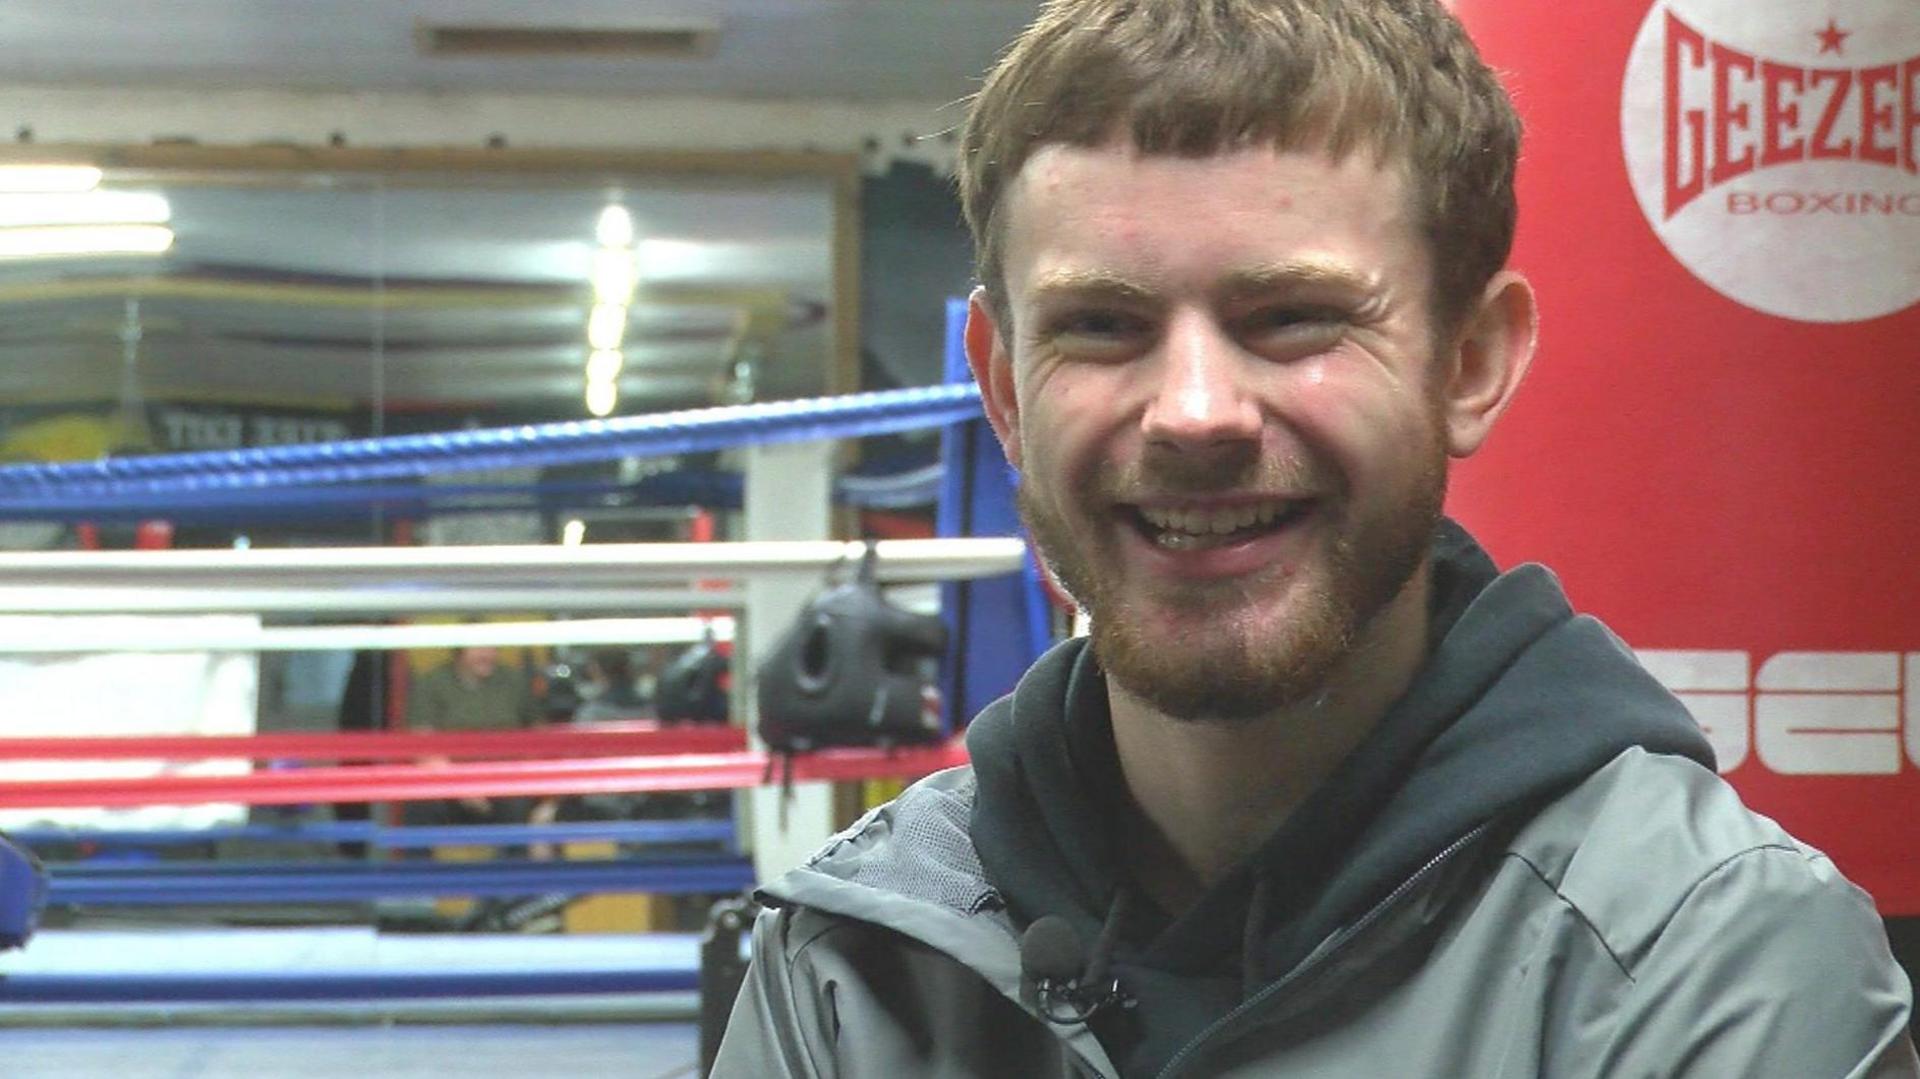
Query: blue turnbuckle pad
[(23, 893)]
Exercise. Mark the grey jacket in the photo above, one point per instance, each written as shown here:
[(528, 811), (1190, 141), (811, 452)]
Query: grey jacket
[(1642, 924)]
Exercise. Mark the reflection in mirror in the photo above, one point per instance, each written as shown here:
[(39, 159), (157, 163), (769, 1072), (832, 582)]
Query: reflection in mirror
[(167, 310), (218, 300)]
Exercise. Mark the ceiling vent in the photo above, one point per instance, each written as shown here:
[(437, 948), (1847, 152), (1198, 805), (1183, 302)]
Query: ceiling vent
[(663, 41)]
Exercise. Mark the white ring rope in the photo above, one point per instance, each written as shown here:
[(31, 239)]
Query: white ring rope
[(22, 635), (205, 599), (428, 580), (485, 566)]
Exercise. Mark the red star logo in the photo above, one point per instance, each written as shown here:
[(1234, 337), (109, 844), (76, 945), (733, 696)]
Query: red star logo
[(1832, 39)]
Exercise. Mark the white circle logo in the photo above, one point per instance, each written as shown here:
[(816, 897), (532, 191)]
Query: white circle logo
[(1777, 153)]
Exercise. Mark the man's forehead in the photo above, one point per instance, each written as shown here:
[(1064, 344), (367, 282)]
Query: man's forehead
[(1056, 164), (1070, 207)]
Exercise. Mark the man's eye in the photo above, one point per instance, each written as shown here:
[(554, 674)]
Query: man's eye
[(1288, 318), (1095, 324), (1095, 334), (1302, 328)]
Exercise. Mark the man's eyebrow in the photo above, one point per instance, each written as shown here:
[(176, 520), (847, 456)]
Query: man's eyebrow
[(1090, 284), (1295, 274), (1250, 281)]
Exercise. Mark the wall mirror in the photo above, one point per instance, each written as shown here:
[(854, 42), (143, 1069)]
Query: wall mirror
[(187, 298)]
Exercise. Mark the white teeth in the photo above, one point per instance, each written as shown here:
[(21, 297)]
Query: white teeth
[(1198, 522)]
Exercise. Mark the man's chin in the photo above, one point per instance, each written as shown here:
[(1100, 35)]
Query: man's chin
[(1183, 685), (1189, 663), (1257, 606)]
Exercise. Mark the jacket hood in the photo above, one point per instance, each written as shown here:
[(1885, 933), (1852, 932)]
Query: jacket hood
[(1519, 700)]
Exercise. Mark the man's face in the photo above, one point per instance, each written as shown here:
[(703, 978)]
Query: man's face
[(1218, 386), (478, 662)]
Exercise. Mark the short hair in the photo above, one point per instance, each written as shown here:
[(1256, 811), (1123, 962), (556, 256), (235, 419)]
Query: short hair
[(615, 663), (1194, 78)]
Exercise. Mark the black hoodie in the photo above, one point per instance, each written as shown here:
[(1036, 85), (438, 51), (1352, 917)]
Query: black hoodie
[(1518, 700)]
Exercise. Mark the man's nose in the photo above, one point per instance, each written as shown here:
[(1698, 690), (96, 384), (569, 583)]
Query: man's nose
[(1203, 398)]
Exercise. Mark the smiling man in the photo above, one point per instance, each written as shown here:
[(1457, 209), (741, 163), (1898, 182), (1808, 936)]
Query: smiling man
[(1325, 793)]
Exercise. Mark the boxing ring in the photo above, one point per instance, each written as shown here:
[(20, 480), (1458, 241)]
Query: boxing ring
[(212, 601)]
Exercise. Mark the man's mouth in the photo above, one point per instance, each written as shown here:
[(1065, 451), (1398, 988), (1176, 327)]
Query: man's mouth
[(1193, 528)]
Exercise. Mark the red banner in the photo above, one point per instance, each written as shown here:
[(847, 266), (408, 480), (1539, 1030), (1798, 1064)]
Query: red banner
[(1717, 445)]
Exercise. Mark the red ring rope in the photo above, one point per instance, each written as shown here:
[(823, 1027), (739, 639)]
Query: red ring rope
[(400, 783), (627, 739)]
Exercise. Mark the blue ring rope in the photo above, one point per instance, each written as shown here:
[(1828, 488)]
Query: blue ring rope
[(363, 460), (261, 882), (115, 988), (715, 490), (693, 830)]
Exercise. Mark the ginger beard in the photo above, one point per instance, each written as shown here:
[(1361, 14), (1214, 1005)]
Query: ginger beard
[(1238, 667)]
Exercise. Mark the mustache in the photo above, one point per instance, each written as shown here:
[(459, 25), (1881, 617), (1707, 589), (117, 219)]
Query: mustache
[(1174, 476)]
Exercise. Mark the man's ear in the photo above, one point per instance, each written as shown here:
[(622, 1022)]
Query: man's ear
[(1489, 358), (992, 366)]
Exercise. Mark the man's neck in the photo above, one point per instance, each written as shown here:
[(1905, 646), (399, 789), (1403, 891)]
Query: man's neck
[(1211, 792)]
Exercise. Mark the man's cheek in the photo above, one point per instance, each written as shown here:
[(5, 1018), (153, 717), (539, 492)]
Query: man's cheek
[(1351, 428)]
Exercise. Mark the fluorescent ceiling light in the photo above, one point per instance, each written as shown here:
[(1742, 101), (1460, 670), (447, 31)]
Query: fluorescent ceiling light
[(601, 397), (573, 532), (606, 325), (59, 241), (615, 227), (773, 259), (613, 275), (85, 208), (673, 258), (603, 365), (49, 178)]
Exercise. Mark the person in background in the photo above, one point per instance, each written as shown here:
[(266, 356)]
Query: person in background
[(606, 688), (476, 692), (473, 692)]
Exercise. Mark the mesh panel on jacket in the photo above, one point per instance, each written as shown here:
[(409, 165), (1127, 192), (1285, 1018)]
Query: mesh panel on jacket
[(928, 854)]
